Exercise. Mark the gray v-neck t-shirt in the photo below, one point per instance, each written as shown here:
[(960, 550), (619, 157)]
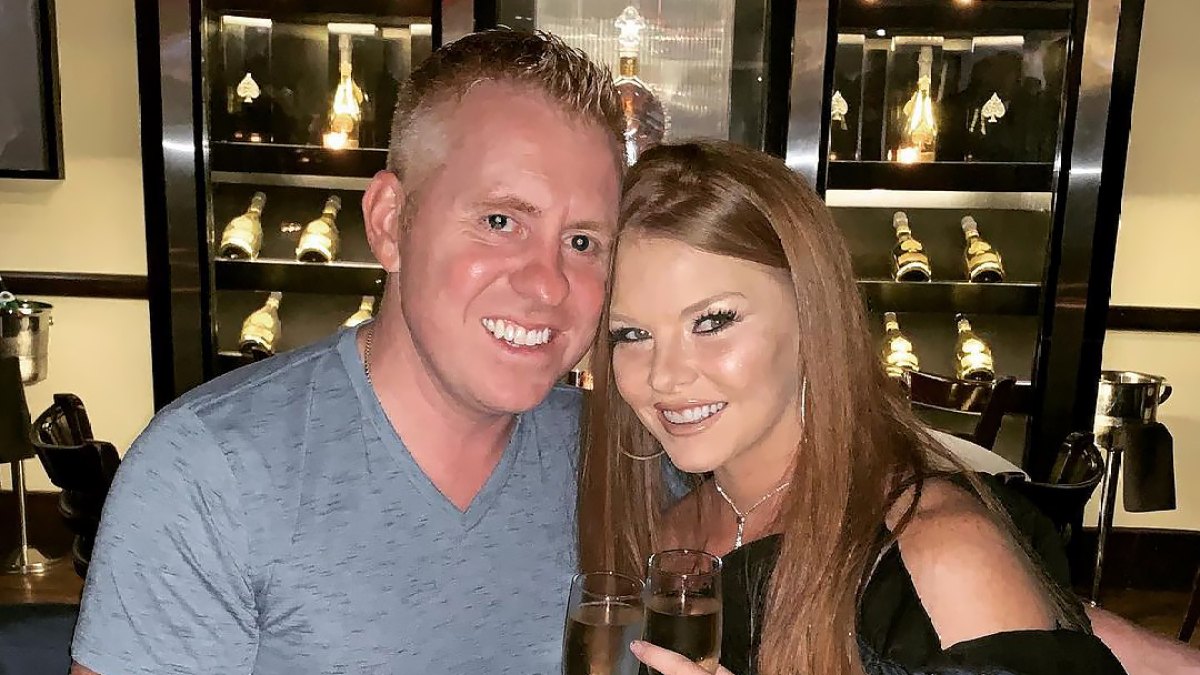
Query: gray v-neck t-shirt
[(272, 521)]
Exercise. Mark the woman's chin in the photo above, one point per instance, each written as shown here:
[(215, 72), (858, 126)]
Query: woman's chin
[(690, 463)]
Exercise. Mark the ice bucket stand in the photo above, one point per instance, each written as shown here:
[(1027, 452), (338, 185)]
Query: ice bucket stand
[(23, 345), (1126, 399)]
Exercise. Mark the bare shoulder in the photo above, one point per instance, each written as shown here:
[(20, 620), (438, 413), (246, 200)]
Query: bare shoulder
[(971, 577), (77, 669)]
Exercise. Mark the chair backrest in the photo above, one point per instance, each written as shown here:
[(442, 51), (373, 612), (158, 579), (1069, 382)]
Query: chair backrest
[(1077, 472), (74, 417), (986, 401), (73, 460)]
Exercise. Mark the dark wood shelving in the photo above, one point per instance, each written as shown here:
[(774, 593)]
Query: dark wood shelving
[(978, 18), (952, 176), (336, 278), (951, 296), (296, 159)]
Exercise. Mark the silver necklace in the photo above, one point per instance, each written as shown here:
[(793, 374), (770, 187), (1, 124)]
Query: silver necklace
[(367, 353), (741, 517)]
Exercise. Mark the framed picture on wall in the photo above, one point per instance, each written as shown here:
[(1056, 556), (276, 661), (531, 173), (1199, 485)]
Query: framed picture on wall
[(30, 119)]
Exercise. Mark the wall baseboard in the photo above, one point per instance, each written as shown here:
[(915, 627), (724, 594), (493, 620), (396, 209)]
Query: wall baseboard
[(1141, 558)]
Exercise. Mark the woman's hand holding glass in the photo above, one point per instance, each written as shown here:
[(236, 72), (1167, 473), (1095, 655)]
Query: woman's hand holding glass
[(604, 615), (683, 613), (667, 662)]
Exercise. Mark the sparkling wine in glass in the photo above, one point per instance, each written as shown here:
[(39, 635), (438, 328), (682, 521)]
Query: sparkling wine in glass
[(683, 605), (604, 615)]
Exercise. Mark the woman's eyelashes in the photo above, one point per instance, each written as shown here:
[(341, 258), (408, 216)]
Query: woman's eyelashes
[(623, 334), (708, 323), (714, 321)]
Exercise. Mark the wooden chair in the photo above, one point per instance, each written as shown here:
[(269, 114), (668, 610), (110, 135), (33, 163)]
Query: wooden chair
[(987, 401)]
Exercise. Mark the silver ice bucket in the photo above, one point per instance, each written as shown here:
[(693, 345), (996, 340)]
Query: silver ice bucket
[(1128, 397), (25, 334)]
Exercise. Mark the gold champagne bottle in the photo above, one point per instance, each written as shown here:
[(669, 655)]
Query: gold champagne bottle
[(919, 124), (972, 356), (898, 353), (242, 237), (581, 375), (261, 330), (320, 239), (346, 108), (983, 262), (909, 261), (365, 311)]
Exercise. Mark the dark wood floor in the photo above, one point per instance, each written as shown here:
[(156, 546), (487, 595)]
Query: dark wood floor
[(1159, 611), (59, 585)]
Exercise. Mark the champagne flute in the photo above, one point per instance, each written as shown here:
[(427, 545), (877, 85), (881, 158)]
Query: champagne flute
[(604, 615), (683, 605)]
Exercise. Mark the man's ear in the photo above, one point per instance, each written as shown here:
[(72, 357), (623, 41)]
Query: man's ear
[(382, 205)]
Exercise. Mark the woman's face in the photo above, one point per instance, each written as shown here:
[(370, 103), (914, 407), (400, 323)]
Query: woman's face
[(705, 352)]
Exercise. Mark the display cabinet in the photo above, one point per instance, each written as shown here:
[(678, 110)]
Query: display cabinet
[(994, 129), (264, 122), (972, 152)]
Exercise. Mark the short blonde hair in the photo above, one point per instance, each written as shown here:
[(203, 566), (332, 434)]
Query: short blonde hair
[(537, 60)]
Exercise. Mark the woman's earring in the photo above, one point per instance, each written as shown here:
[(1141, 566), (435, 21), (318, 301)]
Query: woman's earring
[(803, 405), (641, 458)]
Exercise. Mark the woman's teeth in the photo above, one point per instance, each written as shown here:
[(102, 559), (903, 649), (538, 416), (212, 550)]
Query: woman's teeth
[(516, 335), (692, 415)]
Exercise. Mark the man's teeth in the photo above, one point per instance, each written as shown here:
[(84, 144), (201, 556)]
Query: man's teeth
[(690, 415), (516, 335)]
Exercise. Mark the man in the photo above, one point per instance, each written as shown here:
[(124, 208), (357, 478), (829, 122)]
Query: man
[(397, 499)]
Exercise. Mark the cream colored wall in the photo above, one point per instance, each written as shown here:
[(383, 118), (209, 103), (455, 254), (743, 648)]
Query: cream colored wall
[(1160, 231), (90, 222)]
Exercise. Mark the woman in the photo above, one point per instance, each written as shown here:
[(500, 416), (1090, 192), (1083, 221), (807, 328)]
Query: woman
[(734, 342)]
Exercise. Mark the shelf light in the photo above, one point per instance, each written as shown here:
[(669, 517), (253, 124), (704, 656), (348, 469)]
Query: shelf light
[(881, 32), (1017, 41), (352, 28), (247, 21), (422, 29)]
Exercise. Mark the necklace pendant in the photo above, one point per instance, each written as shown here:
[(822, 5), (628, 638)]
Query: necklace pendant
[(741, 528)]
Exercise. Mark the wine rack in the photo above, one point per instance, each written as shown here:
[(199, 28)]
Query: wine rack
[(985, 141), (1042, 173)]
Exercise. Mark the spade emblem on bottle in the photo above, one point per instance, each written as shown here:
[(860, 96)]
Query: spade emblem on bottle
[(994, 109), (839, 108), (248, 89)]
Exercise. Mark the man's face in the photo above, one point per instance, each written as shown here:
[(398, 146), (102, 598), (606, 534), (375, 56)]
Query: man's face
[(502, 267)]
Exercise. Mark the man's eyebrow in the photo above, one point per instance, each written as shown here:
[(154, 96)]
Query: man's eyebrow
[(504, 202), (593, 226)]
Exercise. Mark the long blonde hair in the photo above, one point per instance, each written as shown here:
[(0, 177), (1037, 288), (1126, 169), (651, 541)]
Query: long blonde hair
[(861, 445)]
